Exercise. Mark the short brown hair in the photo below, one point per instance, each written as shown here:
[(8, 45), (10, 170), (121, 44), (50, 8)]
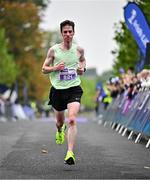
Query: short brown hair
[(67, 22)]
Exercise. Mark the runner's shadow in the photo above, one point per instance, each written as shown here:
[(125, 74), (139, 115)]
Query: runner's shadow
[(70, 168)]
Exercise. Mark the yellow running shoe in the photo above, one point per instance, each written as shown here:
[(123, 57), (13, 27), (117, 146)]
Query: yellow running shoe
[(70, 158), (60, 136)]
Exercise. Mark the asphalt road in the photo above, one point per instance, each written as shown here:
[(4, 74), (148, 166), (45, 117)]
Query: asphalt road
[(100, 152)]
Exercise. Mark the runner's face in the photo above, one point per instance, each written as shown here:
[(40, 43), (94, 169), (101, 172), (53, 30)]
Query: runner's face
[(67, 33)]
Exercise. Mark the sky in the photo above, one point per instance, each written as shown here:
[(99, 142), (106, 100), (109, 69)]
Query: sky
[(94, 26)]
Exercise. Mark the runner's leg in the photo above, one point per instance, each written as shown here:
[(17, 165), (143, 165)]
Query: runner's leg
[(60, 117), (73, 109)]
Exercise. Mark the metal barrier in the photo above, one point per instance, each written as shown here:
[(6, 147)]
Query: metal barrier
[(133, 116)]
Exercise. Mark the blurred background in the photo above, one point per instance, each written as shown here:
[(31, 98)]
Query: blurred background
[(29, 27)]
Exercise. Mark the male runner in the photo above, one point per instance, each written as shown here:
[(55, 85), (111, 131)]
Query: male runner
[(65, 62)]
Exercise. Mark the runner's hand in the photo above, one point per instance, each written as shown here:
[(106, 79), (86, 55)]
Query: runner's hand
[(80, 71), (59, 67)]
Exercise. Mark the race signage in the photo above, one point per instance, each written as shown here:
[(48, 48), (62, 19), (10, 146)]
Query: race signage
[(138, 25)]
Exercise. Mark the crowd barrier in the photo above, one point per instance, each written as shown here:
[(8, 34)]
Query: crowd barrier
[(132, 116)]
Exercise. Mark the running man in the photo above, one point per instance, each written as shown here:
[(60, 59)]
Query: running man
[(65, 62)]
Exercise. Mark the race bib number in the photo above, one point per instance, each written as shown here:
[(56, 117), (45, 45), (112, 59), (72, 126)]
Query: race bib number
[(67, 74)]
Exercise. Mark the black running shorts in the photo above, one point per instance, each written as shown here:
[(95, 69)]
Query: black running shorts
[(59, 98)]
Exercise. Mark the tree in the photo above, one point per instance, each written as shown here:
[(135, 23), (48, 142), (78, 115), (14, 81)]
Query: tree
[(8, 67), (21, 23)]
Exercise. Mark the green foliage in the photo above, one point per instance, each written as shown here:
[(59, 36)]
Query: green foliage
[(127, 52), (88, 86), (8, 68), (21, 25), (25, 40)]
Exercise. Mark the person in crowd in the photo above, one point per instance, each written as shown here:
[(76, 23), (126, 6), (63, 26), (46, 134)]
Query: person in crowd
[(107, 99), (99, 96), (144, 77)]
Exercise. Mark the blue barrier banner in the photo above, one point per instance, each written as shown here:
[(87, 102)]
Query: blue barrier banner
[(138, 25), (136, 117), (140, 65)]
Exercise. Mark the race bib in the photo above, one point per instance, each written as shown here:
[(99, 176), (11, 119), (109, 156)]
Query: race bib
[(67, 74)]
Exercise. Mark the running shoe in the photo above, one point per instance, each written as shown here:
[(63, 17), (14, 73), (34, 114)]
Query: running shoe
[(60, 136), (70, 158)]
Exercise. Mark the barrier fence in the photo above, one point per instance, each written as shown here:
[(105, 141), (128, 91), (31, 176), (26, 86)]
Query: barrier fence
[(129, 115)]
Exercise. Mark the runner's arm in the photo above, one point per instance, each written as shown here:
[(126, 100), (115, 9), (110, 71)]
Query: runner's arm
[(82, 61), (46, 68)]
